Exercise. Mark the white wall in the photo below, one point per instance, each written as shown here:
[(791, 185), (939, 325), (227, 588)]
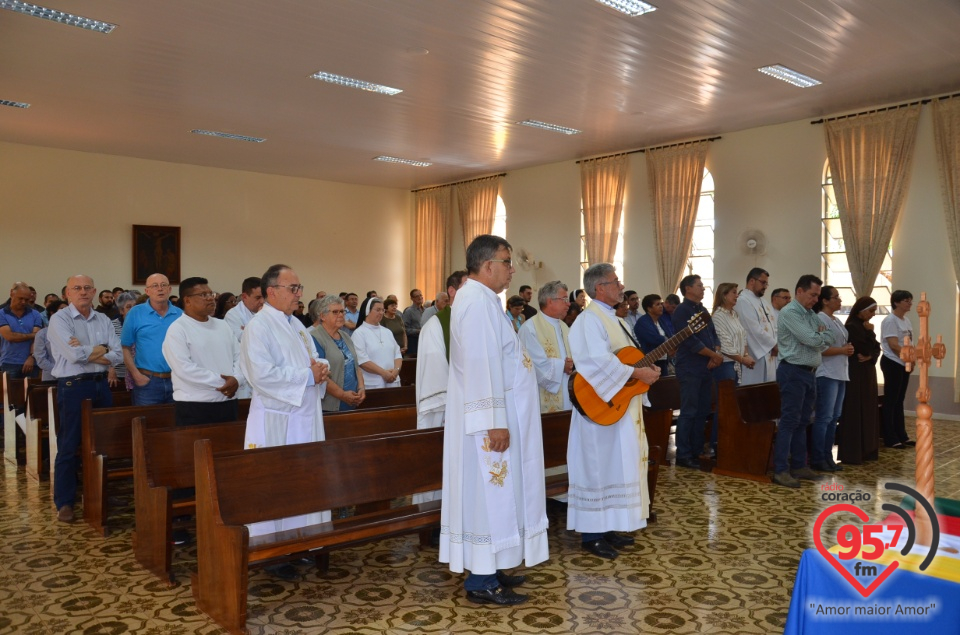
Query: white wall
[(68, 212)]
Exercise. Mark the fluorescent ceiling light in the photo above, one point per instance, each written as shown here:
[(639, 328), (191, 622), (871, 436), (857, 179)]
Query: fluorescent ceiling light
[(630, 7), (227, 135), (533, 123), (13, 104), (340, 80), (419, 164), (789, 75), (57, 16)]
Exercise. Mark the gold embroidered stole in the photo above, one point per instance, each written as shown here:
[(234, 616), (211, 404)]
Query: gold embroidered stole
[(547, 336)]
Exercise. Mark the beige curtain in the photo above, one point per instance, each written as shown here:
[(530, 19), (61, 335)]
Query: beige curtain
[(478, 206), (433, 212), (946, 133), (870, 157), (675, 175), (602, 185)]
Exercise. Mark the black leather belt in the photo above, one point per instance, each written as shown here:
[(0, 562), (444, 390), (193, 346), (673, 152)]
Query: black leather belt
[(85, 377)]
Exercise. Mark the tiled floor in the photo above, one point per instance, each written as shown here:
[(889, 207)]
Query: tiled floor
[(720, 559)]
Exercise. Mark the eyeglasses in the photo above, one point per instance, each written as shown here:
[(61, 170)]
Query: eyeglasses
[(507, 262), (206, 296), (614, 281), (159, 285), (292, 288), (563, 299), (340, 312), (87, 288)]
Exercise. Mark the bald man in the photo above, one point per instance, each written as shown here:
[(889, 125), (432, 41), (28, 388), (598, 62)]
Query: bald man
[(144, 330)]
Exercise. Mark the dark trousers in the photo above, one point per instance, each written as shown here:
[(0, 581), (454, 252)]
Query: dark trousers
[(895, 382), (159, 390), (696, 392), (798, 395), (70, 394), (15, 371), (193, 413)]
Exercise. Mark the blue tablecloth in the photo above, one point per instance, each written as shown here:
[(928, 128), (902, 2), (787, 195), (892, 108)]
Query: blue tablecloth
[(820, 592)]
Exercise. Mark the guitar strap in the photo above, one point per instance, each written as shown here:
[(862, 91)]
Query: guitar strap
[(629, 334)]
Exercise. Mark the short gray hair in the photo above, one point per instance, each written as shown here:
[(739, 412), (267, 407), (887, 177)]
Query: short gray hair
[(321, 306), (549, 291), (596, 273), (123, 298)]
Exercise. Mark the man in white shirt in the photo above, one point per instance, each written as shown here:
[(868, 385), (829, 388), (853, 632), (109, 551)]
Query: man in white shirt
[(251, 301), (761, 328), (440, 303), (779, 298), (546, 338), (633, 309), (204, 359), (493, 515), (281, 364)]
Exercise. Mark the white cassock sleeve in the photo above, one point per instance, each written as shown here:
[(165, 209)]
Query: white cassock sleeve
[(267, 363), (549, 370), (484, 391), (760, 340)]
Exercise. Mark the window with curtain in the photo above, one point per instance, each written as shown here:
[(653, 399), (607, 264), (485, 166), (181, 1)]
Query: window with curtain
[(701, 256), (617, 258), (833, 263)]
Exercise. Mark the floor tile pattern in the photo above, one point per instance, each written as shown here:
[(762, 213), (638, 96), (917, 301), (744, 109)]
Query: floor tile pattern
[(720, 559)]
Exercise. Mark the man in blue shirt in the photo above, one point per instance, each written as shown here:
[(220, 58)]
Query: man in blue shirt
[(85, 346), (648, 330), (696, 357), (144, 329), (19, 324)]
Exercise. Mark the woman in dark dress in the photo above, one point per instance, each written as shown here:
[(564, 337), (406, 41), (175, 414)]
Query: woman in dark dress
[(859, 433)]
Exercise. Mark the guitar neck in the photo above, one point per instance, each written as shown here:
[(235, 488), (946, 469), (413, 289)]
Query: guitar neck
[(667, 348)]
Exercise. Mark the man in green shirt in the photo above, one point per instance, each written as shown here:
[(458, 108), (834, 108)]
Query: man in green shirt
[(801, 337)]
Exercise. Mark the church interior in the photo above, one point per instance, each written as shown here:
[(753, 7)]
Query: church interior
[(98, 132)]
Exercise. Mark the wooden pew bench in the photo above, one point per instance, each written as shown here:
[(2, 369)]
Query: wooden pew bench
[(390, 398), (37, 428), (664, 396), (248, 486), (14, 402), (748, 426), (107, 450), (163, 461)]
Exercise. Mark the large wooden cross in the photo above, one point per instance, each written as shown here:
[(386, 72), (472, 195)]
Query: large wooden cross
[(921, 354)]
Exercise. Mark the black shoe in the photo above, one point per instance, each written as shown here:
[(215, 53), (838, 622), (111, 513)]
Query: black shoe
[(180, 536), (616, 540), (692, 464), (910, 444), (510, 581), (286, 572), (836, 468), (601, 548), (898, 446), (823, 467), (501, 596)]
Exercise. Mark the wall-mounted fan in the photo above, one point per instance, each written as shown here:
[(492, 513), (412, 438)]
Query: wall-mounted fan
[(525, 259), (753, 242)]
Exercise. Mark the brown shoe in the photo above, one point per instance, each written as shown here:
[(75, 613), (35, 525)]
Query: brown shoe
[(65, 515)]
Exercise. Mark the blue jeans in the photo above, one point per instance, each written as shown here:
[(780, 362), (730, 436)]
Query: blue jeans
[(70, 394), (481, 582), (158, 390), (696, 392), (798, 393), (829, 407), (15, 371), (726, 370)]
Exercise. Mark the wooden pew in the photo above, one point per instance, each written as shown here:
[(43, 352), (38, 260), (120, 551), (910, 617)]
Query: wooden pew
[(390, 397), (14, 398), (408, 371), (247, 486), (748, 426), (556, 433), (163, 461), (664, 398), (37, 418), (106, 440)]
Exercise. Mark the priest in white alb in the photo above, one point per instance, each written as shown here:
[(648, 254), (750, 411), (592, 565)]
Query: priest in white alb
[(493, 515), (288, 378), (761, 327), (433, 369), (607, 464)]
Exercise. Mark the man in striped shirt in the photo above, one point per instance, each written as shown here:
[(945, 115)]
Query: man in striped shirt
[(801, 337)]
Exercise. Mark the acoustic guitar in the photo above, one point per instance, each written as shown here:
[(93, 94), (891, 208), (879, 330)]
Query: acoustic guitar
[(588, 403)]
